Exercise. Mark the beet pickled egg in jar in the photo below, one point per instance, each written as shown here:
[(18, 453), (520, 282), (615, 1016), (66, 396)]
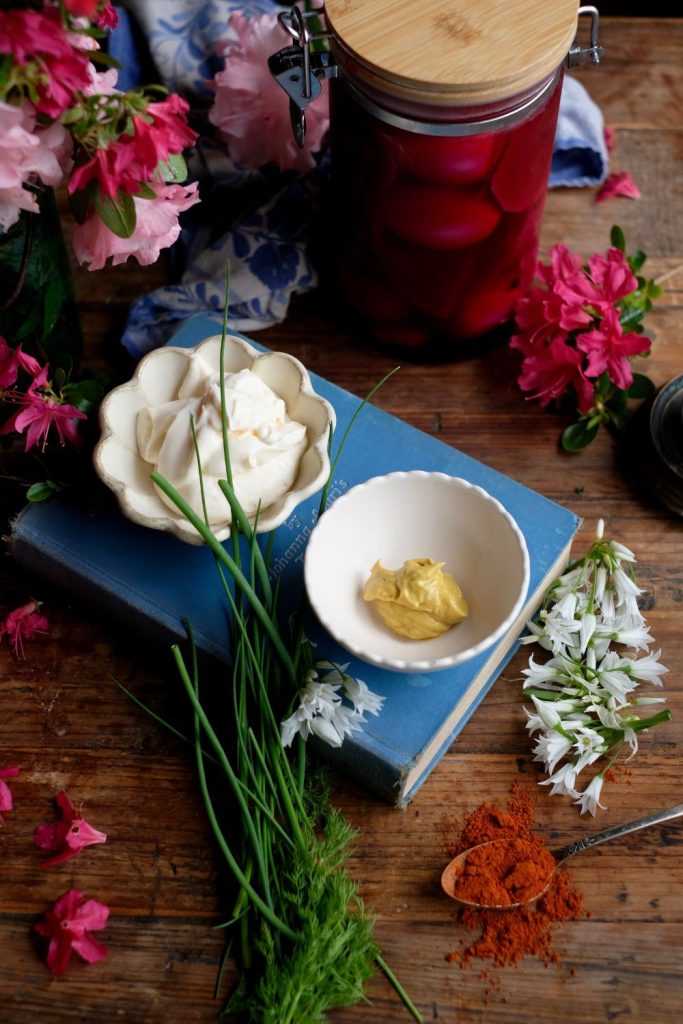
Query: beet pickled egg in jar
[(442, 122)]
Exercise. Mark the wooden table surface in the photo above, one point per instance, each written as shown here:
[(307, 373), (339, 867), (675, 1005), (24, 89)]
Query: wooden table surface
[(67, 724)]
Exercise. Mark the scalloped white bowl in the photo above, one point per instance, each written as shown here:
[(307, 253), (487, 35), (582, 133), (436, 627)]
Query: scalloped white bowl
[(156, 380), (417, 515)]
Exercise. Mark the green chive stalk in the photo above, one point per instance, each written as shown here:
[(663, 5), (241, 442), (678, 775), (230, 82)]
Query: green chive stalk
[(300, 932)]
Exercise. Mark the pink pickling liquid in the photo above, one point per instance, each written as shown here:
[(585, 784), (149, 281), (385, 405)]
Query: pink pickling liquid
[(436, 236)]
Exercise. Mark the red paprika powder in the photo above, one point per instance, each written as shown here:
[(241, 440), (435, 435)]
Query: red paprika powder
[(505, 936)]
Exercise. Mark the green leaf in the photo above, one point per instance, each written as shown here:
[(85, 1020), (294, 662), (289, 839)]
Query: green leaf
[(118, 213), (72, 116), (631, 316), (175, 169), (636, 260), (104, 58), (82, 201), (53, 302), (44, 491), (578, 435), (618, 238), (642, 387), (83, 395), (145, 191)]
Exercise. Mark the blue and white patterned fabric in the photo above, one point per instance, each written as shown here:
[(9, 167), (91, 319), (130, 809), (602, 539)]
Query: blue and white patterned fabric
[(175, 41), (580, 154)]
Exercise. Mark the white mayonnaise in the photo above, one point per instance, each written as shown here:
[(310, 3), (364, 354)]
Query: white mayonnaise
[(265, 444)]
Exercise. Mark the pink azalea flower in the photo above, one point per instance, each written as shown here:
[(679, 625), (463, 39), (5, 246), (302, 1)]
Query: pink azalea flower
[(550, 371), (41, 412), (22, 624), (620, 183), (38, 36), (608, 350), (68, 837), (609, 279), (102, 83), (564, 266), (5, 792), (169, 118), (109, 165), (133, 158), (28, 155), (612, 275), (82, 8), (252, 111), (12, 360), (68, 926), (108, 16), (156, 228)]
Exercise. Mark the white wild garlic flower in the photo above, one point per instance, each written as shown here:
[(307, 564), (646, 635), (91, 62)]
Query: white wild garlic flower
[(585, 709)]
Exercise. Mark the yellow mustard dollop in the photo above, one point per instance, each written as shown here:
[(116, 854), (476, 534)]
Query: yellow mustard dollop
[(419, 600)]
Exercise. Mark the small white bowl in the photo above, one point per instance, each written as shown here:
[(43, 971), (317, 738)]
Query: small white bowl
[(416, 515), (156, 381)]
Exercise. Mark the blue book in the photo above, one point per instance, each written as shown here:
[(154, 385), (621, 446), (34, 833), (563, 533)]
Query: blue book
[(153, 582)]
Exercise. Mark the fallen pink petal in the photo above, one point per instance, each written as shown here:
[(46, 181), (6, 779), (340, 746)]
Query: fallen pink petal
[(68, 926), (609, 133), (68, 837), (620, 183), (22, 624), (6, 803)]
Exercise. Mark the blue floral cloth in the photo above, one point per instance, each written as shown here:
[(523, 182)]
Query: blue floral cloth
[(175, 41)]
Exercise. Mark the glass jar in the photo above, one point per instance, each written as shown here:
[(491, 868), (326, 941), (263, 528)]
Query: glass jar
[(442, 122), (37, 305)]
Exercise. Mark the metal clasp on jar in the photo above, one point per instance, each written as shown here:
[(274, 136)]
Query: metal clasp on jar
[(594, 52), (299, 70)]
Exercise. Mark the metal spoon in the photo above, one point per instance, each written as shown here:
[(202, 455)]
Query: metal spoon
[(448, 879)]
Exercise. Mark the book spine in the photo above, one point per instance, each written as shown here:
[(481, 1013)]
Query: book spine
[(369, 768)]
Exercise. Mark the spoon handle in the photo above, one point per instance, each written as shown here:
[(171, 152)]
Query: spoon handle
[(618, 830)]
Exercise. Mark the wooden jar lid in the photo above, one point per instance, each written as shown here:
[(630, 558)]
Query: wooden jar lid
[(451, 52)]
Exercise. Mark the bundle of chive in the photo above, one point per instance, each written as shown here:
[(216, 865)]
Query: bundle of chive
[(299, 931)]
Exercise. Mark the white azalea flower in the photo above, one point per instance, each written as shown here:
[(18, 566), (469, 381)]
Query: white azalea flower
[(589, 800)]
